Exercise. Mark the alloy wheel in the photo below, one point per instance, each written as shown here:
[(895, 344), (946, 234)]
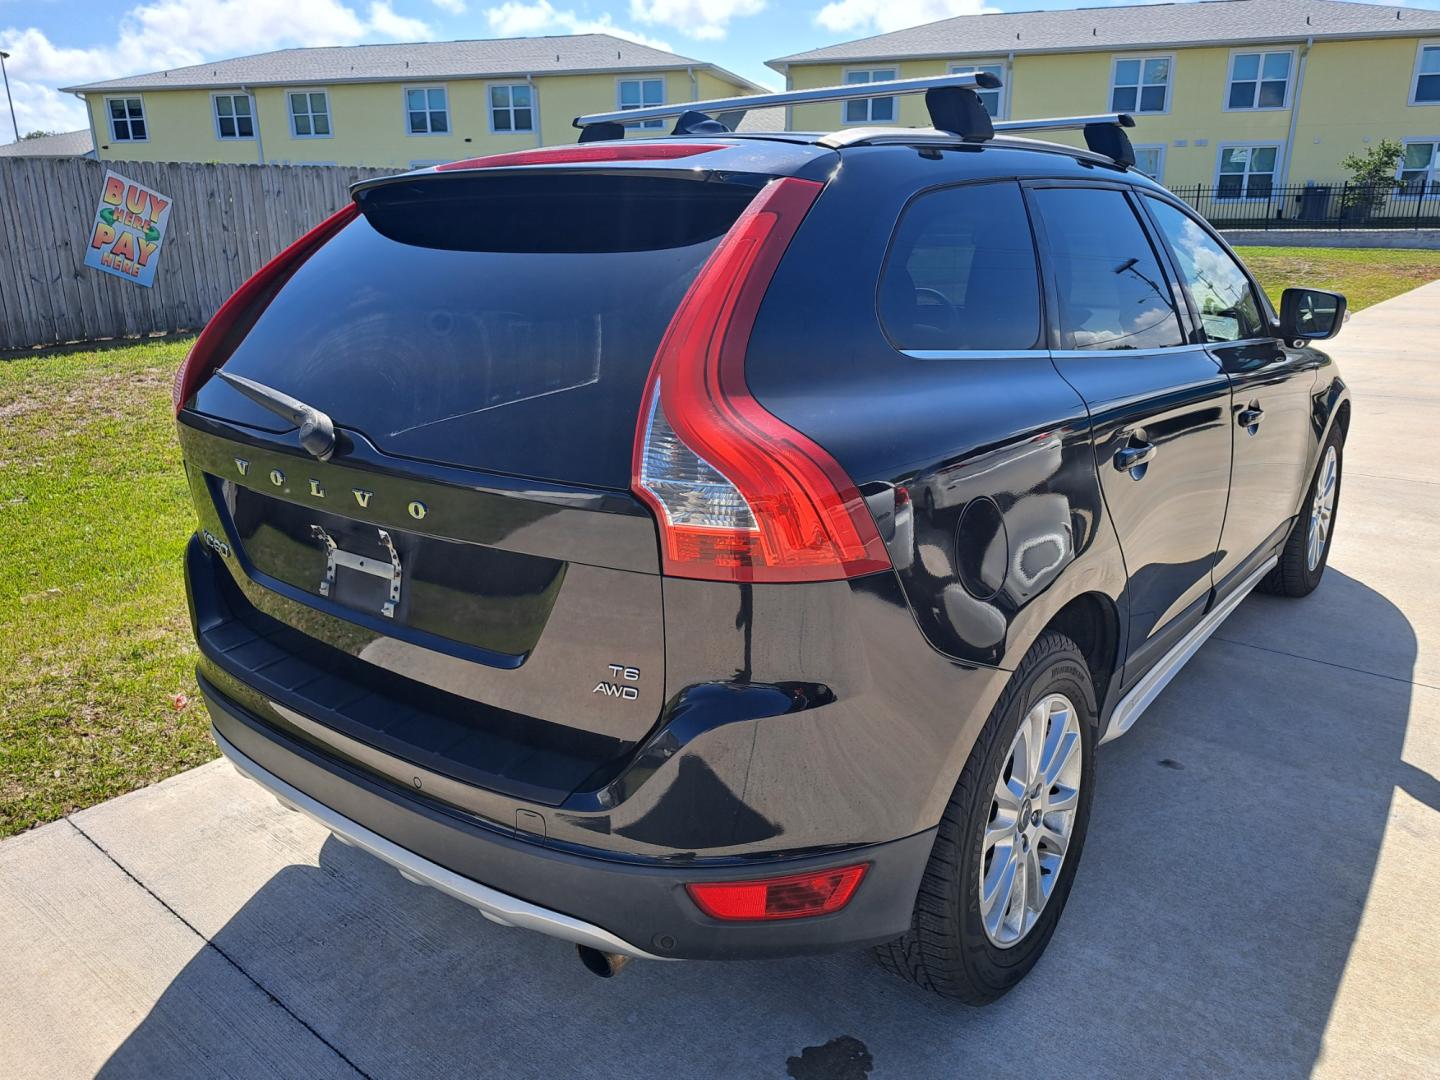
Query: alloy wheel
[(1322, 509), (1032, 816)]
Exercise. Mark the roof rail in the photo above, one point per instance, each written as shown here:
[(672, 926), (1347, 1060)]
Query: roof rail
[(950, 98)]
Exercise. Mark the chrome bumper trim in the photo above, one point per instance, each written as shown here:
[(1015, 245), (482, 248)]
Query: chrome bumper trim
[(496, 906), (1168, 666)]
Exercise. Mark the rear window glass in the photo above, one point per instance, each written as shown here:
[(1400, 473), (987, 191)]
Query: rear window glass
[(1111, 290), (961, 272), (503, 322)]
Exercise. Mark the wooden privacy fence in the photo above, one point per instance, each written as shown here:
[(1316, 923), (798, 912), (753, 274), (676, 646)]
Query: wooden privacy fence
[(225, 222)]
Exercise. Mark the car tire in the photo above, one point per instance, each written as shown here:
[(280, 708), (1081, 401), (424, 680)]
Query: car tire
[(953, 946), (1302, 566)]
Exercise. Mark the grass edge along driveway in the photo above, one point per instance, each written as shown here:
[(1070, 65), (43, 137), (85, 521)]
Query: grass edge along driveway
[(97, 687)]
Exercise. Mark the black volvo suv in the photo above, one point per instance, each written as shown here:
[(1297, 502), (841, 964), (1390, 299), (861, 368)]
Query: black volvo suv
[(727, 546)]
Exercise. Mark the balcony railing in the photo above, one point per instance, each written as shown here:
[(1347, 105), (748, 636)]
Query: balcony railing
[(1255, 203)]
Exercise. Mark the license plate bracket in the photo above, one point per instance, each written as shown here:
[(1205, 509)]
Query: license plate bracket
[(336, 557)]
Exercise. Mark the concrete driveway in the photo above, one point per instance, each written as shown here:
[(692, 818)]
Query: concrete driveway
[(1258, 895)]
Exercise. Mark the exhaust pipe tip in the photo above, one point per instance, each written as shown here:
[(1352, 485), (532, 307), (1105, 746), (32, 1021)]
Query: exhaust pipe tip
[(604, 964)]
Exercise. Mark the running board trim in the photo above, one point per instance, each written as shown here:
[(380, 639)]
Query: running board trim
[(1134, 703), (495, 905)]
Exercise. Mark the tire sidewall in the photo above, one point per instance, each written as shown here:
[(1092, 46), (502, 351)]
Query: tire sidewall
[(989, 964)]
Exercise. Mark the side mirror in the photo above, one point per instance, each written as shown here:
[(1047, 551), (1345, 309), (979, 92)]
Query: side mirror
[(1310, 314)]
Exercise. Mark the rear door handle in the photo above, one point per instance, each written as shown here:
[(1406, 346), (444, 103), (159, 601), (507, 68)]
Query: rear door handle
[(1250, 417), (1133, 457)]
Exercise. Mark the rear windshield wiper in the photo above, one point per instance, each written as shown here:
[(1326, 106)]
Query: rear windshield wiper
[(317, 432)]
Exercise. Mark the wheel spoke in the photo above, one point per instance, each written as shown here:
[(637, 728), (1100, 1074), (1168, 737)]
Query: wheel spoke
[(1053, 835), (1061, 800), (1064, 748), (1001, 829), (1034, 891), (999, 888), (1009, 793)]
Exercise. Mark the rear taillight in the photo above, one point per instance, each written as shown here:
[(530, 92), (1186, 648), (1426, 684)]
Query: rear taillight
[(792, 897), (739, 494), (581, 155), (228, 326)]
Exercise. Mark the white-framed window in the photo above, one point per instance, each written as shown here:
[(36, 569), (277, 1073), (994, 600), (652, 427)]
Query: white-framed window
[(1425, 89), (1246, 170), (309, 113), (427, 110), (1259, 80), (234, 116), (127, 119), (1150, 160), (875, 110), (1141, 84), (996, 102), (640, 94), (512, 107), (1419, 172)]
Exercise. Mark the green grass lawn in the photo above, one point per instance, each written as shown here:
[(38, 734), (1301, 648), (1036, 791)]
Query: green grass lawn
[(94, 515), (94, 636), (1365, 275)]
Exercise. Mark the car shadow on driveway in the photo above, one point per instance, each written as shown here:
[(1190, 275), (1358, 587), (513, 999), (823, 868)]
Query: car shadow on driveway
[(1235, 834)]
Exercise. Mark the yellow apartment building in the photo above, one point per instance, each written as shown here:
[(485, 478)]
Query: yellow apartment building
[(1238, 94), (390, 105)]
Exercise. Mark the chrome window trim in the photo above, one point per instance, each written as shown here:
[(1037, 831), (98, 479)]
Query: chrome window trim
[(972, 354), (1070, 354), (1168, 350)]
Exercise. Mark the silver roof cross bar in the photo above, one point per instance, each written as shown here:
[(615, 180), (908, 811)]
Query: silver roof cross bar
[(964, 80), (1064, 123)]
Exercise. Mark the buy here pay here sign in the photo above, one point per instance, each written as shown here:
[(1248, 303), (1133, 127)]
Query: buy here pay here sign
[(129, 228)]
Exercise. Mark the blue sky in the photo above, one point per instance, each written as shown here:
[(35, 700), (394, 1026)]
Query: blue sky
[(56, 43)]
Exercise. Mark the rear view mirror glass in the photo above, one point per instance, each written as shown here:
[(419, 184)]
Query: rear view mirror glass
[(1311, 314)]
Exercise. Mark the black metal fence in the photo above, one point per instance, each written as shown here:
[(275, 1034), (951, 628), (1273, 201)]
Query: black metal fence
[(1259, 204)]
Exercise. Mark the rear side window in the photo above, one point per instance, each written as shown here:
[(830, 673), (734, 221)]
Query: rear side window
[(961, 272), (1111, 291), (503, 322), (1223, 297)]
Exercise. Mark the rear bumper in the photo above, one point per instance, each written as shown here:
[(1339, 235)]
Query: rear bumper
[(634, 907)]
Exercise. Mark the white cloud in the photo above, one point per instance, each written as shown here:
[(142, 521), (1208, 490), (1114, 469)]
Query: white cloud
[(704, 19), (886, 15), (387, 23), (515, 18), (454, 7), (165, 34)]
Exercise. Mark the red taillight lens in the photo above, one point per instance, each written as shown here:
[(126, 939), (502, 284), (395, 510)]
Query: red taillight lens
[(791, 897), (581, 155), (237, 315), (739, 494)]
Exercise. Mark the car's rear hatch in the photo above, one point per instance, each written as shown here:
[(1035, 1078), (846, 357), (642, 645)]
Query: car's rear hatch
[(481, 341)]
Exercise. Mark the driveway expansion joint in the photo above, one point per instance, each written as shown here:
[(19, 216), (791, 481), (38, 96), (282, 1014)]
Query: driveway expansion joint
[(219, 951), (1326, 663)]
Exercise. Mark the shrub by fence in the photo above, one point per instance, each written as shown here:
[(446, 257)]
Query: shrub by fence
[(1340, 205), (225, 222)]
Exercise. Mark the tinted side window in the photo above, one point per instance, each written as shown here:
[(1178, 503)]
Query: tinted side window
[(961, 272), (1221, 291), (1111, 290)]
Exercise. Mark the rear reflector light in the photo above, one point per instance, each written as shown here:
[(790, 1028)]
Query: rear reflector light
[(228, 326), (739, 494), (791, 897), (580, 155)]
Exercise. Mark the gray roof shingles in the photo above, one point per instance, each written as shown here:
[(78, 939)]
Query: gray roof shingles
[(427, 60), (64, 144), (1130, 26)]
